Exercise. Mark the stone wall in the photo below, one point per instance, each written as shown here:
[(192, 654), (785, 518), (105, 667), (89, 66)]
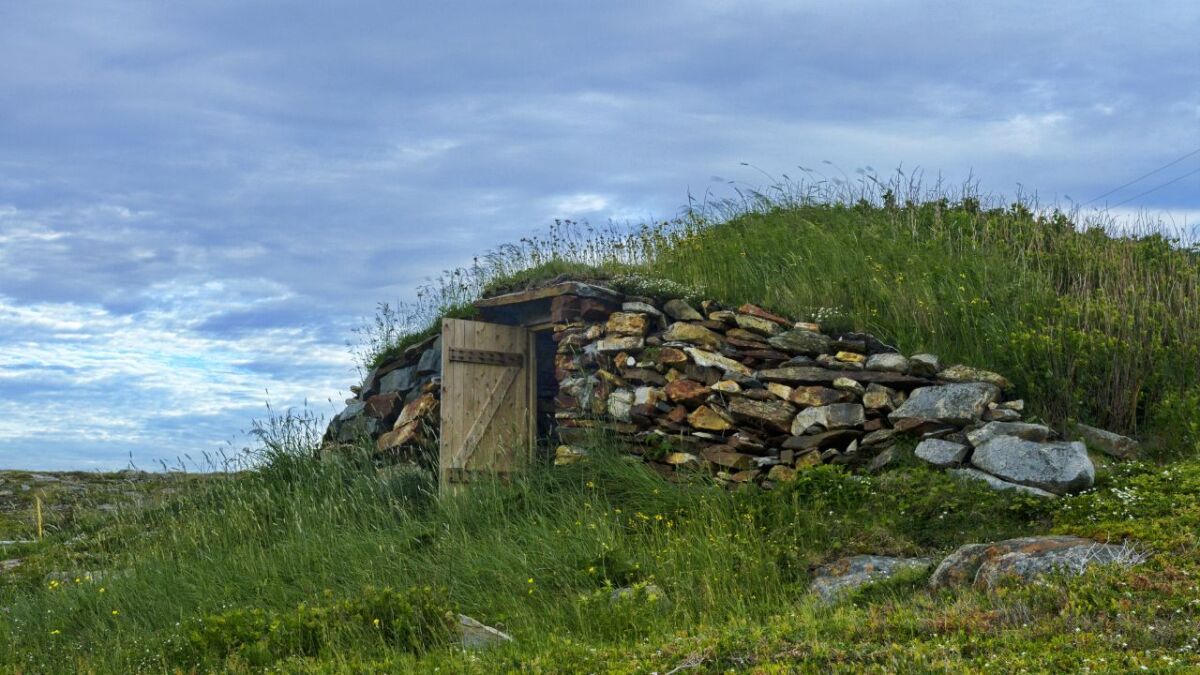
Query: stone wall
[(743, 395), (753, 397), (396, 407)]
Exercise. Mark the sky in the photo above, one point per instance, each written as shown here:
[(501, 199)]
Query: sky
[(198, 203)]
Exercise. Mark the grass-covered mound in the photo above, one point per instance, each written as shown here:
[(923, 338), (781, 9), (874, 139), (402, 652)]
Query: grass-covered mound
[(1095, 324), (338, 566)]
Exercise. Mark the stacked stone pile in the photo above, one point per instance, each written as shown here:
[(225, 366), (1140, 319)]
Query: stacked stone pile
[(747, 396), (396, 407), (753, 397)]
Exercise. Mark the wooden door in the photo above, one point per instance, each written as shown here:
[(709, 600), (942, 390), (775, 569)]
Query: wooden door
[(487, 402)]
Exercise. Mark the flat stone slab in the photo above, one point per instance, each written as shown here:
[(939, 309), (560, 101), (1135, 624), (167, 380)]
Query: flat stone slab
[(1025, 430), (986, 565), (837, 578), (810, 375), (997, 484), (957, 404)]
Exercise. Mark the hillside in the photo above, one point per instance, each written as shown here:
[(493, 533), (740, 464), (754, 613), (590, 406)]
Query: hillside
[(345, 565)]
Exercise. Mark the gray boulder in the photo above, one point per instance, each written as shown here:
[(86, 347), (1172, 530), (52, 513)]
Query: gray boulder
[(888, 362), (997, 484), (842, 576), (431, 359), (475, 635), (1055, 467), (941, 454), (1114, 445), (680, 310), (353, 423), (1029, 432), (1026, 558), (957, 404), (399, 380), (924, 365)]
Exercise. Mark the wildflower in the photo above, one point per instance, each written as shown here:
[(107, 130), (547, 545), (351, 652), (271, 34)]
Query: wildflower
[(116, 612), (375, 622), (591, 484), (55, 631)]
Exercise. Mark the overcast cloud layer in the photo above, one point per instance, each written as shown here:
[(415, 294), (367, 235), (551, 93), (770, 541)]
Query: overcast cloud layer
[(196, 205)]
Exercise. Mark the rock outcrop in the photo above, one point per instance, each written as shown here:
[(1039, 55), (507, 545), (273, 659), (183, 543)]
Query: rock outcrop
[(986, 565)]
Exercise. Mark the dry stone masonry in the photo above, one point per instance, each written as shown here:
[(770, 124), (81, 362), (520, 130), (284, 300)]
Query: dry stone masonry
[(749, 397)]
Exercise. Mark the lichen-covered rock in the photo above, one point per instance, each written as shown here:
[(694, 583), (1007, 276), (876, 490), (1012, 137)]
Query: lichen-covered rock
[(758, 325), (961, 373), (627, 323), (798, 341), (620, 404), (924, 365), (888, 362), (692, 333), (776, 415), (1055, 467), (781, 474), (1115, 445), (615, 345), (838, 578), (829, 417), (1026, 558), (958, 404), (849, 386), (818, 396), (706, 359), (568, 454), (941, 453)]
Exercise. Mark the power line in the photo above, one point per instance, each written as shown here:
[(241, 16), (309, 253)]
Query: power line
[(1156, 188), (1142, 177)]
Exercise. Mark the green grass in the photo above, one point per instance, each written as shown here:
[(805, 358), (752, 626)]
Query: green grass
[(321, 550), (288, 566)]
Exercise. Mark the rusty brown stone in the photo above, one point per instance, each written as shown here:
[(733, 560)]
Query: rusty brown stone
[(809, 397), (732, 460), (687, 392), (670, 356), (755, 310), (564, 308), (678, 415), (383, 406)]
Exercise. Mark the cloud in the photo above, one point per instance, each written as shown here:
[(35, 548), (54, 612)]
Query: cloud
[(212, 195)]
